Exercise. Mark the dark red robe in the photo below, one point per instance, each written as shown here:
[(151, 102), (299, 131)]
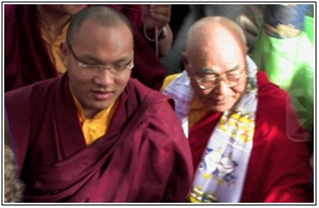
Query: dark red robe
[(278, 169), (27, 60), (144, 157)]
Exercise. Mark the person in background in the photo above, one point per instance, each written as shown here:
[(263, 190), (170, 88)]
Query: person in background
[(285, 52), (96, 135), (34, 33), (246, 140)]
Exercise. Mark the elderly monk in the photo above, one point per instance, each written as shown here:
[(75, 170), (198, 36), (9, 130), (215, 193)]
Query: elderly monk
[(34, 33), (95, 135), (247, 143)]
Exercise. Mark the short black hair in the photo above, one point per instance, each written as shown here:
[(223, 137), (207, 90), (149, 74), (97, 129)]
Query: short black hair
[(102, 15)]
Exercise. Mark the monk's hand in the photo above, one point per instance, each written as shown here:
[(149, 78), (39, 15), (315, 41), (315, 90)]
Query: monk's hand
[(156, 16)]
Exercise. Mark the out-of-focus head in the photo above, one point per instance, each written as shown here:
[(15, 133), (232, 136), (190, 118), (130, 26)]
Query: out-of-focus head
[(66, 9), (99, 56), (215, 60)]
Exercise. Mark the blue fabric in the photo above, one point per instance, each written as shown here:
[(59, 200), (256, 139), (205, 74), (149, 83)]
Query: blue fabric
[(286, 15)]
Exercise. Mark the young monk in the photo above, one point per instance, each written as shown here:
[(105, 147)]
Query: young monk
[(95, 135)]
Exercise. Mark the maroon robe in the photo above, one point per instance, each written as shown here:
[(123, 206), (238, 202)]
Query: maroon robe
[(144, 157), (27, 60), (278, 169)]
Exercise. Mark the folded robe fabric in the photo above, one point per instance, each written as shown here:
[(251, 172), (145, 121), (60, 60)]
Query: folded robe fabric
[(142, 158)]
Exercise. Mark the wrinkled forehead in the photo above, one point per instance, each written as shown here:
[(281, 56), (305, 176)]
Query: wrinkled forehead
[(220, 59)]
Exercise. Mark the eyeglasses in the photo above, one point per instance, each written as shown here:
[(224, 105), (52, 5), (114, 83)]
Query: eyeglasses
[(93, 69), (211, 80)]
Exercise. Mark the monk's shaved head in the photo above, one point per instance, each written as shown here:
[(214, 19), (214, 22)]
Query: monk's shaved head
[(105, 16), (214, 30)]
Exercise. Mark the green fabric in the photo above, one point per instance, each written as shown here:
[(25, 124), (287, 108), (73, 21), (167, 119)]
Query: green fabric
[(309, 28), (289, 63)]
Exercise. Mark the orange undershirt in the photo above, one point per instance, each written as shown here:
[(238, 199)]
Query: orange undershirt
[(197, 109), (53, 45), (96, 127)]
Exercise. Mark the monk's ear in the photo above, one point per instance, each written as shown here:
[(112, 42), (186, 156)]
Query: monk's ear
[(185, 61), (247, 50), (64, 52)]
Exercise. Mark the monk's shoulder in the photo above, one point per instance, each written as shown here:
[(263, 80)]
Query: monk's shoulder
[(270, 95), (169, 79)]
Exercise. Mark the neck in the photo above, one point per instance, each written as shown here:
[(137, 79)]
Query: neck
[(54, 21), (90, 113)]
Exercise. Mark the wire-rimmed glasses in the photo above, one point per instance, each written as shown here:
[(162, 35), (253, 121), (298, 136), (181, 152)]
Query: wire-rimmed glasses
[(93, 69), (209, 80)]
